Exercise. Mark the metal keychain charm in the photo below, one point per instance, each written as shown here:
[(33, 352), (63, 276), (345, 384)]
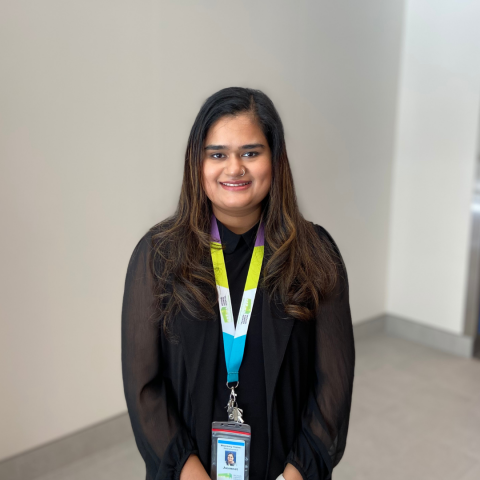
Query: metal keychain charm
[(234, 413)]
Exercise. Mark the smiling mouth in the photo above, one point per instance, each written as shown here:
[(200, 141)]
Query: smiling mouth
[(235, 184)]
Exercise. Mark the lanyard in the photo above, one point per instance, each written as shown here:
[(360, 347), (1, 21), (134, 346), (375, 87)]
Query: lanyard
[(234, 338)]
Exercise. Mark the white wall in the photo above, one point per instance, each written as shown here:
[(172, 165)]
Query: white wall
[(439, 107), (97, 100)]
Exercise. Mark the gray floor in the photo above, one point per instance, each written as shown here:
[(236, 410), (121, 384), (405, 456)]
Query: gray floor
[(415, 415)]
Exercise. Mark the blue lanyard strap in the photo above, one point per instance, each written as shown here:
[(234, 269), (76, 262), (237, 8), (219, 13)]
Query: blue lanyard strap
[(234, 338)]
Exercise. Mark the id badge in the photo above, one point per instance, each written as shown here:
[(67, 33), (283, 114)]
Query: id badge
[(230, 451)]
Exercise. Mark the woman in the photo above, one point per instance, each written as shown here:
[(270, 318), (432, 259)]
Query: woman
[(296, 374)]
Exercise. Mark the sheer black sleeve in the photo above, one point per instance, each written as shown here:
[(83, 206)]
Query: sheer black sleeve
[(323, 435), (161, 437)]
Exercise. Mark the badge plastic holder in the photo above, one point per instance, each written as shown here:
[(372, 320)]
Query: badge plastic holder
[(230, 451)]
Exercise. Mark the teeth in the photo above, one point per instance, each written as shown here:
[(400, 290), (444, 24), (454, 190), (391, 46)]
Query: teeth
[(235, 184)]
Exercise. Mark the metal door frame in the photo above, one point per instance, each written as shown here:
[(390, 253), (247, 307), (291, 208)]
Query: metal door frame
[(472, 307)]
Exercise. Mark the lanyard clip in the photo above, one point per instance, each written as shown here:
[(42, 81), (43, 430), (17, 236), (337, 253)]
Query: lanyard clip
[(234, 413), (233, 396)]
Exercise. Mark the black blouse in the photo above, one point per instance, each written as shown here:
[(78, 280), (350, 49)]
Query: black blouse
[(251, 390), (174, 389)]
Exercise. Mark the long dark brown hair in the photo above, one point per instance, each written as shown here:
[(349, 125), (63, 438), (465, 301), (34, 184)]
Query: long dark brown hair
[(299, 269)]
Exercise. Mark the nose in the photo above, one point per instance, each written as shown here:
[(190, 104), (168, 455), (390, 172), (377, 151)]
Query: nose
[(234, 166)]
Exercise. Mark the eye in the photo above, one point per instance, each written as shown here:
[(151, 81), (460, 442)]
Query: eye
[(214, 155), (250, 154)]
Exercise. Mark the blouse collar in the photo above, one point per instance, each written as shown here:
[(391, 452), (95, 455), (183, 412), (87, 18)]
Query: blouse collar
[(231, 239)]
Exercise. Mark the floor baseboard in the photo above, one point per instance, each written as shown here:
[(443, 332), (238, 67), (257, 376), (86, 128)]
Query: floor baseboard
[(369, 327), (459, 345), (51, 456)]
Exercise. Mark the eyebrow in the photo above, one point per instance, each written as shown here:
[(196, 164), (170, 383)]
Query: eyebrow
[(243, 147)]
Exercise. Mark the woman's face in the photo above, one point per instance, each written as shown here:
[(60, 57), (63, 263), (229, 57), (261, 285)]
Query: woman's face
[(230, 458), (234, 145)]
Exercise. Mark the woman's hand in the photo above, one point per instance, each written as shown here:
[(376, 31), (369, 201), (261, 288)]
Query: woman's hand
[(291, 473), (193, 470)]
